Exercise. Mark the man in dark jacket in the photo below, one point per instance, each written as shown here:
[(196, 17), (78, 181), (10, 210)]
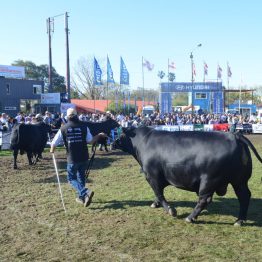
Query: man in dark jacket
[(75, 135)]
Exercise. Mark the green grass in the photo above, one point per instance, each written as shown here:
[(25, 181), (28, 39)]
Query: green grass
[(119, 225)]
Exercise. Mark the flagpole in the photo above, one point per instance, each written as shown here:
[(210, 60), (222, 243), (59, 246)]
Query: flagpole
[(204, 73), (168, 79), (143, 83), (239, 104), (227, 85)]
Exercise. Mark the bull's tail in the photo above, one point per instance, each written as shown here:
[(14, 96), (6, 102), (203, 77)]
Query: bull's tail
[(248, 143)]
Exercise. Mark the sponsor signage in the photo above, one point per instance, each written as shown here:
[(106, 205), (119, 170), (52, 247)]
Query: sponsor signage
[(12, 71), (10, 108), (188, 87), (50, 98), (257, 128)]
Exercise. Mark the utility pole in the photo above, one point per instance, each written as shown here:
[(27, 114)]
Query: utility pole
[(67, 59), (50, 29)]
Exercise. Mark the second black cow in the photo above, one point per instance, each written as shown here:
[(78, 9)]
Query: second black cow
[(202, 162), (29, 138), (102, 127)]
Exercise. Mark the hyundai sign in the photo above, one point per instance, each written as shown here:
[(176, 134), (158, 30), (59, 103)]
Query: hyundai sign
[(12, 71)]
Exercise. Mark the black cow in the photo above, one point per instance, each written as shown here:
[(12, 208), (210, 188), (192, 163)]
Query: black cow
[(102, 127), (202, 162), (29, 138)]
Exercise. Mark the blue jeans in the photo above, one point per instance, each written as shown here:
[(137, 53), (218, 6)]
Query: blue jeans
[(76, 177)]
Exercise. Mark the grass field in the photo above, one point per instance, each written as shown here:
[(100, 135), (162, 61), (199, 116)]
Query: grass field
[(119, 225)]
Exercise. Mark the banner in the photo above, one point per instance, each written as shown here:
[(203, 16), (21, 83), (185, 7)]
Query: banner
[(257, 128), (124, 75), (12, 71), (110, 76), (218, 100), (97, 73), (198, 127), (50, 98), (221, 127), (166, 102)]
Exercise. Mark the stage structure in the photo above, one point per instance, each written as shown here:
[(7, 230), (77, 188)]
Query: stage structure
[(208, 96)]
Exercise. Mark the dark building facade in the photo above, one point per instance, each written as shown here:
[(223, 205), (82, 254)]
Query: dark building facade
[(19, 95)]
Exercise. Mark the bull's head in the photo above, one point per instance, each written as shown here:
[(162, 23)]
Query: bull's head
[(113, 123), (124, 142)]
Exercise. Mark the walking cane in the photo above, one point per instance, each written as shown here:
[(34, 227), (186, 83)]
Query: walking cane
[(60, 190)]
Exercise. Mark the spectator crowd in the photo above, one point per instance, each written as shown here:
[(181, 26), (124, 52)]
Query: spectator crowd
[(127, 120)]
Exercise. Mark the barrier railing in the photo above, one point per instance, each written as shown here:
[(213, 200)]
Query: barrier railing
[(245, 128)]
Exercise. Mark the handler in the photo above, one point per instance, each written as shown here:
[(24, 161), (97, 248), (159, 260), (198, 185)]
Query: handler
[(76, 135)]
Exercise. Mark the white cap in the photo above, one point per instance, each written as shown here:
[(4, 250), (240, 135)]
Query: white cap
[(71, 112), (38, 116)]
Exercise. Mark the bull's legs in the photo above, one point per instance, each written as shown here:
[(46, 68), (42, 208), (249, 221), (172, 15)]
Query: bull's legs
[(243, 194), (201, 204), (15, 153), (29, 156), (160, 199)]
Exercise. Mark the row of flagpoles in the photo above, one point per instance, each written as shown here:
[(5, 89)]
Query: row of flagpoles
[(124, 74)]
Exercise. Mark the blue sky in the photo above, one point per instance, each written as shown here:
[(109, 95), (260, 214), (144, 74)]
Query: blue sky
[(229, 30)]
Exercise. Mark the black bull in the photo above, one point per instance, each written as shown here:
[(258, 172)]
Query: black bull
[(202, 162), (102, 127), (29, 138)]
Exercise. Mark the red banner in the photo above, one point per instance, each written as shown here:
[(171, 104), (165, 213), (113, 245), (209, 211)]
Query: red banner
[(221, 127)]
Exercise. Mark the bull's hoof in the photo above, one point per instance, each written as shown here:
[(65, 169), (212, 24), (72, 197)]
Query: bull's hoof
[(172, 212), (239, 223), (190, 220), (15, 167), (155, 205)]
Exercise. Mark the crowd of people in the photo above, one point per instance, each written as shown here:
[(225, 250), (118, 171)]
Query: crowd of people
[(127, 120)]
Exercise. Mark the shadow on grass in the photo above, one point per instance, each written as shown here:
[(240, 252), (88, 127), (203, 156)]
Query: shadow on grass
[(221, 206), (99, 163), (113, 153)]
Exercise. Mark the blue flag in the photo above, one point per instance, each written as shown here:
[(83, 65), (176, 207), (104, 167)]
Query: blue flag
[(110, 76), (124, 75), (97, 73)]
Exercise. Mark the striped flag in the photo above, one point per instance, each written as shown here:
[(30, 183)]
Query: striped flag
[(148, 65), (172, 66), (194, 70), (219, 72), (229, 73), (205, 68)]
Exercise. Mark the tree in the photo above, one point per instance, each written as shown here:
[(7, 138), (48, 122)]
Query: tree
[(83, 80), (34, 72), (171, 77), (120, 108), (180, 99)]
